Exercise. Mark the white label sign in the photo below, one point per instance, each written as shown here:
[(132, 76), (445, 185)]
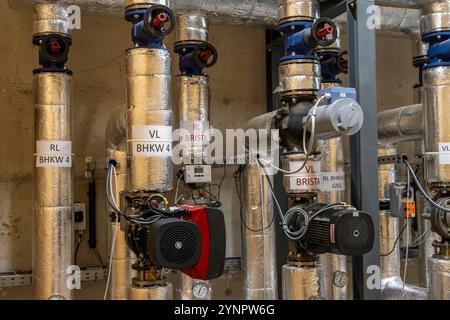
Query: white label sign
[(308, 178), (195, 133), (151, 141), (332, 181), (444, 153), (53, 154)]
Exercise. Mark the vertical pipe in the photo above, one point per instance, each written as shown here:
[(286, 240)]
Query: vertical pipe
[(194, 118), (53, 187), (149, 118), (335, 266), (121, 262), (302, 282), (258, 237), (53, 192)]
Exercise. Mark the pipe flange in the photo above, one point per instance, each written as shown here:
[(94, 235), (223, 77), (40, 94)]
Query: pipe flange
[(192, 29), (50, 19), (143, 4), (299, 77), (297, 10), (436, 17)]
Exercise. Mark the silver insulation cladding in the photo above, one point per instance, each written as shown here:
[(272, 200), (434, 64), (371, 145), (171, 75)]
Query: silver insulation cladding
[(439, 278), (294, 10), (400, 124), (194, 113), (436, 98), (120, 279), (50, 19), (131, 4), (192, 28), (392, 286), (240, 12), (390, 265), (387, 173), (187, 284), (299, 77), (53, 193), (149, 103), (157, 291), (302, 282), (435, 17), (336, 278), (258, 237)]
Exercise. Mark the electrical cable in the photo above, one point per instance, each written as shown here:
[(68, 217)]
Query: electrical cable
[(307, 148), (176, 190), (395, 242), (421, 189), (113, 245), (237, 179), (407, 233)]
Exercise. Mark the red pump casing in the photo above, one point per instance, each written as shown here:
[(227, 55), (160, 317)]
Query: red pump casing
[(211, 224)]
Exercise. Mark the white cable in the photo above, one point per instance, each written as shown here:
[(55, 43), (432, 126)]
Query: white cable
[(407, 233), (307, 150), (113, 245), (176, 190)]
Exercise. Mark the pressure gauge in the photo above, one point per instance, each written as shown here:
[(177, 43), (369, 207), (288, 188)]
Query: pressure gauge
[(200, 290)]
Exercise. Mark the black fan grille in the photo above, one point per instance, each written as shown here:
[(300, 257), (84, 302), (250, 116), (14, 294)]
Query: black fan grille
[(179, 244), (355, 233)]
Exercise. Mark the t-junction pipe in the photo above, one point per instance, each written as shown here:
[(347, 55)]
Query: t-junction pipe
[(401, 124)]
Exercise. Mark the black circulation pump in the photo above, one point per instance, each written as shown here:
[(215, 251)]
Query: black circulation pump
[(338, 229)]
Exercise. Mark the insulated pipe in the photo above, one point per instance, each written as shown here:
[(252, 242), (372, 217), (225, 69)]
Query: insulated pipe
[(162, 291), (194, 119), (149, 130), (149, 120), (400, 124), (302, 282), (394, 21), (392, 286), (336, 278), (53, 192), (121, 262), (258, 237)]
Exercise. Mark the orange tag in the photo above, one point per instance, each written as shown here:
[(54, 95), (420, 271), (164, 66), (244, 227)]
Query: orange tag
[(409, 208)]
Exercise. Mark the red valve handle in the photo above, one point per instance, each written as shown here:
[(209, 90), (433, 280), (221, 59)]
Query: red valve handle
[(326, 30), (205, 55), (160, 19), (55, 47)]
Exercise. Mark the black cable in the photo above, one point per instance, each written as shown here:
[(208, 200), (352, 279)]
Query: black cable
[(77, 248), (396, 240), (421, 189), (76, 252), (99, 257), (221, 182)]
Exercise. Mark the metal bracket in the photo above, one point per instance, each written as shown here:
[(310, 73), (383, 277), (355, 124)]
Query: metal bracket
[(396, 158), (17, 279)]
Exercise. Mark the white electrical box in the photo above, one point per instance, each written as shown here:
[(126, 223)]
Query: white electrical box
[(198, 174), (79, 213)]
